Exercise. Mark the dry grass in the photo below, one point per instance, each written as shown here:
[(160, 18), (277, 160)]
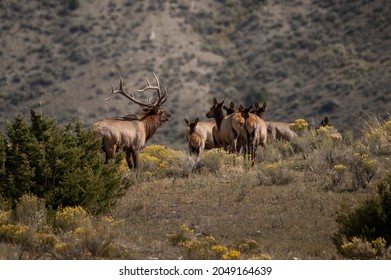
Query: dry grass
[(294, 220)]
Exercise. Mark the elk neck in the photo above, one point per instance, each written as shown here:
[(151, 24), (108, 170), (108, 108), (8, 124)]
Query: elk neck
[(219, 116), (151, 124)]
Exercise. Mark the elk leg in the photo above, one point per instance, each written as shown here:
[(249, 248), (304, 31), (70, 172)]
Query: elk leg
[(135, 155), (109, 152), (128, 158)]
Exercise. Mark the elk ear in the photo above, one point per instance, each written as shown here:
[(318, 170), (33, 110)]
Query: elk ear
[(187, 122), (232, 105), (256, 104), (222, 102), (241, 109), (264, 105), (196, 121), (214, 101)]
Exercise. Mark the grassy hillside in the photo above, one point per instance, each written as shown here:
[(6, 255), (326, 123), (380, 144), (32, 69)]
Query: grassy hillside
[(287, 205), (306, 58)]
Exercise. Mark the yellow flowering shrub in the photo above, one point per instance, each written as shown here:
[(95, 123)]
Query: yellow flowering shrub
[(299, 126), (232, 255), (215, 160), (248, 245), (220, 250), (196, 249), (340, 167), (199, 246), (69, 218), (261, 256), (71, 234), (46, 241), (13, 233), (4, 217), (364, 169), (329, 132), (160, 160), (387, 126), (337, 176), (91, 238), (184, 234), (378, 137), (365, 250), (278, 173)]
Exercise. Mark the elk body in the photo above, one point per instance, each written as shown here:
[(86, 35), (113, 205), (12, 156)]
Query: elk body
[(254, 130), (280, 131), (228, 128), (131, 132), (275, 130), (205, 129), (196, 142)]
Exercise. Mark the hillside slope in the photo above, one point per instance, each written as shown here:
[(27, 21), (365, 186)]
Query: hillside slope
[(306, 58)]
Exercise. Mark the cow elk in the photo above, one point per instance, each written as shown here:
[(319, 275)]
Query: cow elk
[(196, 141), (131, 132), (254, 131), (231, 109), (205, 129), (325, 122), (275, 130), (228, 128)]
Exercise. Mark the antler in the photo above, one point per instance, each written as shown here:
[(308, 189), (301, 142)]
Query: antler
[(161, 97)]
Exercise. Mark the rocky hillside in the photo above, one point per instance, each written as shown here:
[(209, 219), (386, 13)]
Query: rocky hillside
[(306, 58)]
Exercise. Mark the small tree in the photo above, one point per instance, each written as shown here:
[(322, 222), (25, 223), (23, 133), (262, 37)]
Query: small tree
[(62, 165)]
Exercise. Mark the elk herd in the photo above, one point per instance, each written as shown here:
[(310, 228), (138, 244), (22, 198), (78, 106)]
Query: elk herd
[(238, 130)]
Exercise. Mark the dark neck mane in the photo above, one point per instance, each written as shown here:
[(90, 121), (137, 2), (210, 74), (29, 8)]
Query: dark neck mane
[(219, 116), (151, 124)]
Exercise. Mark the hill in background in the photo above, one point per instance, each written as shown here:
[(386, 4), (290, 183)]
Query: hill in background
[(306, 58)]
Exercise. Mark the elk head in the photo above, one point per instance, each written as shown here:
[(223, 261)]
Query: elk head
[(231, 108), (216, 110), (192, 125), (259, 111), (325, 122)]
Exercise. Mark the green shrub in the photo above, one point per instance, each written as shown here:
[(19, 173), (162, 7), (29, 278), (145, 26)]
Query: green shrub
[(64, 166), (371, 220)]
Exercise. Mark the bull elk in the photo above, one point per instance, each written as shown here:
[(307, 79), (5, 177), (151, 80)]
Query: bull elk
[(196, 141), (254, 130), (228, 128), (131, 132)]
